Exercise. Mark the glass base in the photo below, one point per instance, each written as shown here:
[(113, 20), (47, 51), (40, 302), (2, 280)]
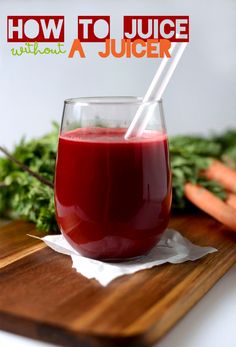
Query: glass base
[(122, 260)]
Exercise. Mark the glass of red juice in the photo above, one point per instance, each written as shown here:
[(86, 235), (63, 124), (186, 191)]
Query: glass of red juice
[(112, 196)]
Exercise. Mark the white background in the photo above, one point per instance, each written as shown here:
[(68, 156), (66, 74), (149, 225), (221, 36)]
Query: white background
[(200, 98)]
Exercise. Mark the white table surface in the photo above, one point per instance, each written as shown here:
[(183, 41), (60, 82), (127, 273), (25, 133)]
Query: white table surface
[(211, 323)]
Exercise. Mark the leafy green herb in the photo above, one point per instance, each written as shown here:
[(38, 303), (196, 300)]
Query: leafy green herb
[(25, 196), (189, 156)]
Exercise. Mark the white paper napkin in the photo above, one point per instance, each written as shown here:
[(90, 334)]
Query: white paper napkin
[(172, 248)]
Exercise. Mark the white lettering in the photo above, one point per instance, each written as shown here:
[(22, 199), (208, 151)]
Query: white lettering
[(85, 23), (51, 28), (31, 28), (180, 27), (101, 28), (163, 34), (12, 29)]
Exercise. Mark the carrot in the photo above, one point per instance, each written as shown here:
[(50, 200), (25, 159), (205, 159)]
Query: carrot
[(222, 174), (209, 203), (231, 200)]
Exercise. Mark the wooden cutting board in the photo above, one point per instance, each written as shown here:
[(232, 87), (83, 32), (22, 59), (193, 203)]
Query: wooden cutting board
[(42, 297)]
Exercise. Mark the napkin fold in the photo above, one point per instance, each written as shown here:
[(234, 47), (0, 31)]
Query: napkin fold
[(172, 248)]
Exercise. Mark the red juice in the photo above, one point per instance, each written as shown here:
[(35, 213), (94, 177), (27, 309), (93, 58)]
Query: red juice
[(112, 196)]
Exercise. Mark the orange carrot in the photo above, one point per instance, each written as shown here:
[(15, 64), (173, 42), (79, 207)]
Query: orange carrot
[(231, 200), (222, 174), (209, 203)]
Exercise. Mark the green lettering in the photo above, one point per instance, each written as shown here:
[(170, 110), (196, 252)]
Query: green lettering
[(33, 48)]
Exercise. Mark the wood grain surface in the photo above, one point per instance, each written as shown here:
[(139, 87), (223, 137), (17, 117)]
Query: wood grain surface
[(42, 297)]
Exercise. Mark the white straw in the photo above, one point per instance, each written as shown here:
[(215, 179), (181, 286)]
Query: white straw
[(156, 90)]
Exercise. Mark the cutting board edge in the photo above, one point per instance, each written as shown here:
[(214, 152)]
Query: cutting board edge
[(156, 331), (45, 331), (62, 336), (70, 338)]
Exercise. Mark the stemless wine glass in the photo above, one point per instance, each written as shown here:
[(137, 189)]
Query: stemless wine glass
[(112, 195)]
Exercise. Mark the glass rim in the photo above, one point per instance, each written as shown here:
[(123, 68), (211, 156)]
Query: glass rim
[(110, 100)]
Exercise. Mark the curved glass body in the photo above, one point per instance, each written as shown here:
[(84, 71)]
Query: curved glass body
[(112, 195)]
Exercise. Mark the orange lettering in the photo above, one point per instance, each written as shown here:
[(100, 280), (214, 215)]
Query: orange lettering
[(164, 48), (128, 48), (107, 49), (114, 50), (134, 48), (152, 48), (76, 47)]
